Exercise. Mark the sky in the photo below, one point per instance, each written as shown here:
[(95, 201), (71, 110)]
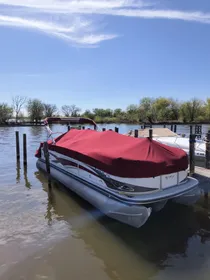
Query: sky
[(104, 53)]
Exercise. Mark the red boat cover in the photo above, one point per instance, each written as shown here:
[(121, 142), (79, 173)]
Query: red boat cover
[(120, 155)]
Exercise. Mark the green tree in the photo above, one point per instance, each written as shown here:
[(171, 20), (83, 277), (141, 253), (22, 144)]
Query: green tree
[(162, 108), (103, 112), (88, 114), (175, 108), (108, 113), (207, 109), (35, 110), (118, 113), (192, 110), (147, 110), (166, 109), (132, 113), (5, 112)]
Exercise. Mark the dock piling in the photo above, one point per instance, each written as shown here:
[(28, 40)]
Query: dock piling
[(17, 145), (47, 161), (116, 129), (150, 133), (191, 129), (208, 150), (103, 129), (24, 149), (192, 153), (136, 133)]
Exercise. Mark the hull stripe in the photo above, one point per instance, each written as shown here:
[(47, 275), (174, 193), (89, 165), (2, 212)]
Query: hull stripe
[(110, 183), (125, 200)]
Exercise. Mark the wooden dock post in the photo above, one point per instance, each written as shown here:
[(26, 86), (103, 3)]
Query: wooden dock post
[(103, 129), (27, 183), (24, 149), (116, 129), (150, 133), (208, 150), (136, 133), (47, 161), (69, 127), (172, 127), (17, 145), (175, 128), (191, 129), (206, 194), (192, 153)]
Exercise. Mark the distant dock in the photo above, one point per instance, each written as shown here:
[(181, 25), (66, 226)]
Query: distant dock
[(19, 124)]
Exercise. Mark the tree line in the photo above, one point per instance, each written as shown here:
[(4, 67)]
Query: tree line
[(148, 110)]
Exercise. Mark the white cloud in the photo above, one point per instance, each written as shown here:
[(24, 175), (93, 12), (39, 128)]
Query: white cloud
[(75, 33), (166, 14), (75, 20), (65, 5)]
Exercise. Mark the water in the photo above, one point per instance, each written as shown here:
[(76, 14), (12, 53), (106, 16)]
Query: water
[(53, 234)]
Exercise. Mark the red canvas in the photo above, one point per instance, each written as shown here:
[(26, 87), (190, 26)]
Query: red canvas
[(121, 155)]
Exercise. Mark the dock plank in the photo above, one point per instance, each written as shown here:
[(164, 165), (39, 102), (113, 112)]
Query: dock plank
[(203, 176), (202, 171)]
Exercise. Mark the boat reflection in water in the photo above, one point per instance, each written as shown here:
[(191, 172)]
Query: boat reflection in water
[(128, 253), (98, 247)]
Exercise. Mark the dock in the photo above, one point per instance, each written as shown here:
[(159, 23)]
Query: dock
[(203, 176), (156, 132)]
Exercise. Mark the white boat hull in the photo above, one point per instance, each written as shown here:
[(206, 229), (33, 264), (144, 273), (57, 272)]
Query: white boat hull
[(132, 205), (133, 215), (183, 143)]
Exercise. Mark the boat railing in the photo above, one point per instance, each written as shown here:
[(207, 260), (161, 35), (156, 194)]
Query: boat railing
[(69, 121)]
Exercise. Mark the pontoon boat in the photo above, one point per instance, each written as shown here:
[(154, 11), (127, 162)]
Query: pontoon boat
[(126, 178)]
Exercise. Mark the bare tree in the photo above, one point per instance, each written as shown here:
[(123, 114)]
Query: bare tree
[(17, 104), (70, 110), (66, 110), (50, 110)]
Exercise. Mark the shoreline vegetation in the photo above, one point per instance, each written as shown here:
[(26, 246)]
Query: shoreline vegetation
[(146, 124), (149, 111)]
